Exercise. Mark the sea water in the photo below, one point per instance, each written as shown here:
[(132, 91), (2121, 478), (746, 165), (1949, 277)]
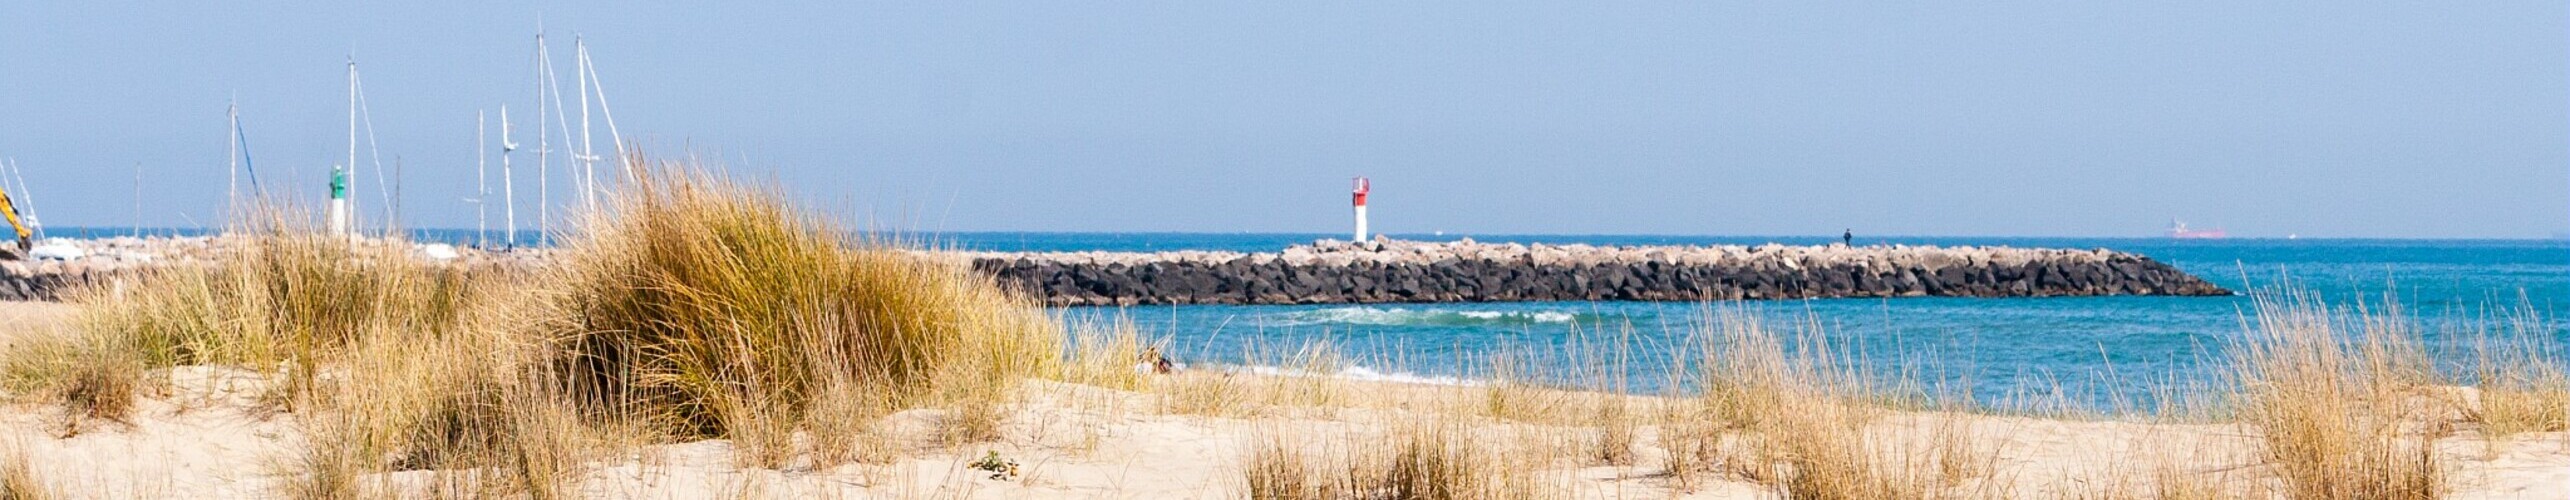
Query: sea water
[(2103, 353)]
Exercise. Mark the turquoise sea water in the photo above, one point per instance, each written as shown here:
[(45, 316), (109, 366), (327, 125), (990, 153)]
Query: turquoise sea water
[(2105, 353), (2102, 352)]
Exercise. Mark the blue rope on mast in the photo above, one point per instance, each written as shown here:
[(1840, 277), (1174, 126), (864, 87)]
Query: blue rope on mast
[(243, 136)]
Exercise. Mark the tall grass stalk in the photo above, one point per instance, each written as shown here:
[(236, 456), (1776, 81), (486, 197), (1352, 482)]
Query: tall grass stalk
[(1802, 417), (280, 296), (2340, 399), (1427, 459), (2522, 385), (708, 308), (90, 378), (19, 481)]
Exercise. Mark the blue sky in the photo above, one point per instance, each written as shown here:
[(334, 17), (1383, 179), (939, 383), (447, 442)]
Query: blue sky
[(2357, 119)]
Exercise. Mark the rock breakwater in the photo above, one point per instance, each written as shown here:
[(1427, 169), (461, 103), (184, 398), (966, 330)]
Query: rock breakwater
[(1465, 271), (1390, 271), (96, 260), (99, 261)]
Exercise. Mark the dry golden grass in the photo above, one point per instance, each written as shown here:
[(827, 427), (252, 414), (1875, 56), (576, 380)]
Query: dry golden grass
[(281, 297), (1511, 390), (2342, 401), (371, 347), (18, 480), (1434, 459), (1323, 388), (710, 309), (1618, 431), (91, 379), (1283, 468), (694, 308), (1209, 393), (1307, 386), (840, 423), (1800, 420), (2522, 385), (471, 406), (1111, 356)]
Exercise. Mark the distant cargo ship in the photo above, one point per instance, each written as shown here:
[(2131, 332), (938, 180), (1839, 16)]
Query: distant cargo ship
[(2177, 229)]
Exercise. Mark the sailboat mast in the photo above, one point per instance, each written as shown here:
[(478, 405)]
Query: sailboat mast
[(232, 153), (543, 144), (351, 167), (394, 220), (26, 200), (138, 199), (481, 179), (508, 182), (588, 155)]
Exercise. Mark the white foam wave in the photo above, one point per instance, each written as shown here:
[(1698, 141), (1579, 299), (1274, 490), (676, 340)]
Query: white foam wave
[(1396, 316), (1361, 373)]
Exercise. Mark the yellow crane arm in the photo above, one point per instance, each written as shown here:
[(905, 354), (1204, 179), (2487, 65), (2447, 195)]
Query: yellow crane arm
[(11, 210)]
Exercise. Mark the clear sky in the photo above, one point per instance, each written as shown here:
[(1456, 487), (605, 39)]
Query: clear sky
[(2036, 118)]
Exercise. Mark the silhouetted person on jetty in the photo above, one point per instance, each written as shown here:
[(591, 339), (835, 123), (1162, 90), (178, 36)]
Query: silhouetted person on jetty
[(1847, 238)]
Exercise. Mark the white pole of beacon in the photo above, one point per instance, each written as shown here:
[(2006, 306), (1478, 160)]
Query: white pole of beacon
[(1362, 186)]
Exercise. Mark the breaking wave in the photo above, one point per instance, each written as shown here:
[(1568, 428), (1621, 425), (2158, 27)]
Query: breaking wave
[(1361, 373), (1395, 316)]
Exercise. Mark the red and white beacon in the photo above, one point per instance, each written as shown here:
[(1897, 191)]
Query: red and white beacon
[(1362, 186)]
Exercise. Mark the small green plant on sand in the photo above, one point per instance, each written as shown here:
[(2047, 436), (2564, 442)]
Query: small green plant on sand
[(1001, 468)]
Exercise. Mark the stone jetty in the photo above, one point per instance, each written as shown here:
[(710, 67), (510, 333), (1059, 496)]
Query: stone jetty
[(1465, 271), (96, 259), (62, 265), (1395, 271)]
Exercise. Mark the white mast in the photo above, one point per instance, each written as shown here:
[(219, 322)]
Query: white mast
[(232, 153), (26, 200), (543, 143), (340, 223), (481, 179), (549, 92), (508, 181), (588, 155), (392, 218), (138, 199)]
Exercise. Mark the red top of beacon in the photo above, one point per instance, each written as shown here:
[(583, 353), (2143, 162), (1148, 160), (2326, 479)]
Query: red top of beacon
[(1362, 186)]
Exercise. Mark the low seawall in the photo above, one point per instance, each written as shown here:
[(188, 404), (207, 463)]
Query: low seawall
[(1396, 271), (100, 260), (1401, 271), (23, 281)]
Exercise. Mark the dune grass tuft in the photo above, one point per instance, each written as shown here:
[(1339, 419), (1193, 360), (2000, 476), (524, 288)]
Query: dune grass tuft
[(2522, 385), (2341, 400), (102, 385), (280, 296), (19, 481), (90, 378), (474, 407), (1280, 468), (1801, 420), (711, 309), (1432, 459), (1113, 355)]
